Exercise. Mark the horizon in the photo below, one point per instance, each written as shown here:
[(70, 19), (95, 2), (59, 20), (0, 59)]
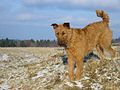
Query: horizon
[(31, 19), (40, 39)]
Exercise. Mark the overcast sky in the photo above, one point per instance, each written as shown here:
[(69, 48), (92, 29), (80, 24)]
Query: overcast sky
[(26, 19)]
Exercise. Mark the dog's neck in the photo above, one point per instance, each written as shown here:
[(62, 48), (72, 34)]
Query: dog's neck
[(70, 33)]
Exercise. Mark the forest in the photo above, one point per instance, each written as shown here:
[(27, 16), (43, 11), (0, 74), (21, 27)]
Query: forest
[(27, 43), (36, 43)]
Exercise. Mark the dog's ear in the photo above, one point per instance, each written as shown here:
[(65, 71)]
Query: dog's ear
[(67, 25), (54, 25)]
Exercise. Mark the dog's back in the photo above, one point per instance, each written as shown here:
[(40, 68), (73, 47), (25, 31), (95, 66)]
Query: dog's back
[(96, 33), (99, 34)]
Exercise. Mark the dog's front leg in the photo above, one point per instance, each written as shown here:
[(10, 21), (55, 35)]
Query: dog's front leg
[(71, 64), (79, 64), (79, 67)]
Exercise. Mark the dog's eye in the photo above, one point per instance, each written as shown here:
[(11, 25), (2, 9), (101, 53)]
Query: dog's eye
[(63, 33), (57, 33)]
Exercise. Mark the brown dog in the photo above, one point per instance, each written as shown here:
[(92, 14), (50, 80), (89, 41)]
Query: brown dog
[(78, 42)]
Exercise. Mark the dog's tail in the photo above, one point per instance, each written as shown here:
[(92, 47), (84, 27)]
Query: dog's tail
[(103, 15)]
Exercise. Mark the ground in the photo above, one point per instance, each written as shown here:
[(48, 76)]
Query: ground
[(43, 69)]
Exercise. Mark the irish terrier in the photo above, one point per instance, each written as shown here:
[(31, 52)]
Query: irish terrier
[(78, 42)]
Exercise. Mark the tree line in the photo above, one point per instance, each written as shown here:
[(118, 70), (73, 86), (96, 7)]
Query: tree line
[(34, 43), (27, 43), (117, 40)]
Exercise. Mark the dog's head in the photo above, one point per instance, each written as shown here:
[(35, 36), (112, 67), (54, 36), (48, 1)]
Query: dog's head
[(61, 32)]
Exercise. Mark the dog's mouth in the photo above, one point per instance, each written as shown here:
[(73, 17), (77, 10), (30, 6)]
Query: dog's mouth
[(62, 44)]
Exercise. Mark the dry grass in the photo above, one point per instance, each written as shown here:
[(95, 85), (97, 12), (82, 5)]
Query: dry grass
[(43, 69)]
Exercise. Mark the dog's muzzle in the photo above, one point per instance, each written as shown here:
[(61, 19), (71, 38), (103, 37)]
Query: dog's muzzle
[(61, 43)]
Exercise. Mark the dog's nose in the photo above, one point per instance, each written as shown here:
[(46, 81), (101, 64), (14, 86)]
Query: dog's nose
[(59, 42)]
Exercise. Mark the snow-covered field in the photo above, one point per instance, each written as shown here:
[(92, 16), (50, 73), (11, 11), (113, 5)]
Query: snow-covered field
[(43, 69)]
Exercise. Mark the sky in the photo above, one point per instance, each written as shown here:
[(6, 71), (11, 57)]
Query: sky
[(31, 19)]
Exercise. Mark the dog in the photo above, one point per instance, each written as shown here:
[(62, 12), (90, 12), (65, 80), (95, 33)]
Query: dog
[(78, 42)]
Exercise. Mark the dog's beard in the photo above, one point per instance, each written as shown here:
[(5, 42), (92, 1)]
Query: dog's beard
[(62, 43)]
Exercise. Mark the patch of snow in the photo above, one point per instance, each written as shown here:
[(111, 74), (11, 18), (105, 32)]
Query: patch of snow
[(4, 86), (4, 57), (108, 77), (40, 74), (69, 84), (96, 86), (79, 84), (30, 58)]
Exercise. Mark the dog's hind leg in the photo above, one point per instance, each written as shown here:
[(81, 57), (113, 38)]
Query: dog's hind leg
[(111, 51), (100, 51)]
